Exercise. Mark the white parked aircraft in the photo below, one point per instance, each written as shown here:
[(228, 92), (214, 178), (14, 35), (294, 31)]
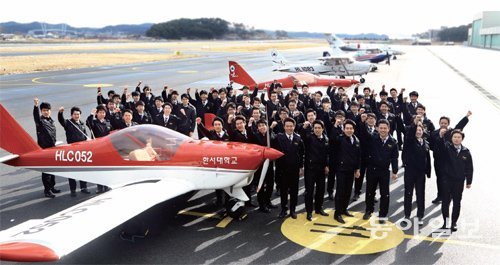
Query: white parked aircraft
[(341, 65), (338, 45)]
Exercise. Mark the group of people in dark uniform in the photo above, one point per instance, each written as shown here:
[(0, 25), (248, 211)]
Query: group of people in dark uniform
[(328, 138)]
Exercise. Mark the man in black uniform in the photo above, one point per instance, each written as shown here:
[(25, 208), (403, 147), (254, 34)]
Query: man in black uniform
[(140, 115), (382, 152), (416, 160), (315, 168), (347, 151), (167, 119), (187, 114), (444, 123), (264, 194), (99, 127), (75, 132), (457, 169), (126, 120), (46, 138), (371, 121), (202, 104), (290, 144)]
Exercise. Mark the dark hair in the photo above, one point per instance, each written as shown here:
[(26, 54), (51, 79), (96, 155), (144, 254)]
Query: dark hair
[(445, 118), (175, 92), (371, 115), (414, 93), (261, 121), (289, 120), (420, 106), (383, 93), (318, 92), (45, 105), (128, 111), (339, 113), (358, 97), (351, 122), (283, 109), (159, 98), (231, 105), (366, 88), (111, 92), (222, 90), (135, 94), (139, 103), (218, 119), (183, 96), (168, 104), (145, 87), (244, 87), (256, 99), (73, 109), (354, 103), (115, 96), (240, 117), (320, 122), (383, 121), (310, 110), (203, 92), (100, 108), (255, 108), (292, 101), (457, 131), (383, 102), (393, 89), (304, 85), (294, 92)]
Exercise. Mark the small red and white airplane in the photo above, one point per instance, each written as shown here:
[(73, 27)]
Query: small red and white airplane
[(239, 76), (151, 162)]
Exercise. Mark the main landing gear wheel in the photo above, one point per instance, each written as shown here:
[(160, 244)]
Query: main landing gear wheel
[(362, 80), (342, 77)]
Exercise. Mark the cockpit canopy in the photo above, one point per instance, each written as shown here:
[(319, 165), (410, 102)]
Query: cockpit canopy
[(147, 143)]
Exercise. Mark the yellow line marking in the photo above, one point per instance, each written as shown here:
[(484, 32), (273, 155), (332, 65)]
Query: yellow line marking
[(198, 214), (224, 222), (452, 241)]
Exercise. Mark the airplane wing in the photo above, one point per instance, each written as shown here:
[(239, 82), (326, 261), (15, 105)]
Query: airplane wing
[(47, 239)]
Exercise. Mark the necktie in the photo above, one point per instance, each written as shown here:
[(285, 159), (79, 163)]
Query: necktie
[(370, 130), (352, 140), (166, 120), (420, 141), (291, 138), (458, 150)]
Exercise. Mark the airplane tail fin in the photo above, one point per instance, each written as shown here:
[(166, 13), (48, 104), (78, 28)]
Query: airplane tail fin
[(14, 138), (238, 75), (335, 44), (278, 59)]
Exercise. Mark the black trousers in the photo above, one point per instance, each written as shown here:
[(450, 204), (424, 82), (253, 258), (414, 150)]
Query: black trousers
[(400, 130), (377, 177), (278, 175), (452, 190), (414, 181), (331, 179), (358, 182), (314, 177), (48, 181), (343, 193), (266, 191), (439, 178), (289, 185), (72, 184)]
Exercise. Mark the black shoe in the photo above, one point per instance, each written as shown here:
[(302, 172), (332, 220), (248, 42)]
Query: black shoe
[(355, 197), (420, 221), (49, 194), (293, 215), (283, 214), (375, 200), (381, 221), (73, 193), (277, 193), (348, 214), (339, 219), (86, 191), (437, 200), (367, 216), (330, 196), (454, 228), (264, 209), (54, 190), (321, 212), (309, 217), (272, 206), (250, 204)]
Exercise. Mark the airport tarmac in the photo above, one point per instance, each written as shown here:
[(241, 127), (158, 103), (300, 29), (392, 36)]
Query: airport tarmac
[(450, 81)]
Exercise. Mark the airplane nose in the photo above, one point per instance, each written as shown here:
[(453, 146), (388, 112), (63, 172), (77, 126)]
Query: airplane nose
[(272, 154)]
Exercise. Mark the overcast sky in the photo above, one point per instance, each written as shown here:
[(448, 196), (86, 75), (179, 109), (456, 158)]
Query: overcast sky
[(395, 18)]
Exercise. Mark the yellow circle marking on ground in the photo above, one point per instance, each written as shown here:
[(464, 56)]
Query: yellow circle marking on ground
[(98, 85), (355, 237), (187, 72)]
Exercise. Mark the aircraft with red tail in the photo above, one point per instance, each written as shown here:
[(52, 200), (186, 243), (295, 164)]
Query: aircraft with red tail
[(239, 76), (150, 162)]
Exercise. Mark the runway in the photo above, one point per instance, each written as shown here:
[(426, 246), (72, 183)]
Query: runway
[(450, 81)]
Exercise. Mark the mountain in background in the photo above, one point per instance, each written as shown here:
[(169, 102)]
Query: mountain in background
[(141, 29)]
